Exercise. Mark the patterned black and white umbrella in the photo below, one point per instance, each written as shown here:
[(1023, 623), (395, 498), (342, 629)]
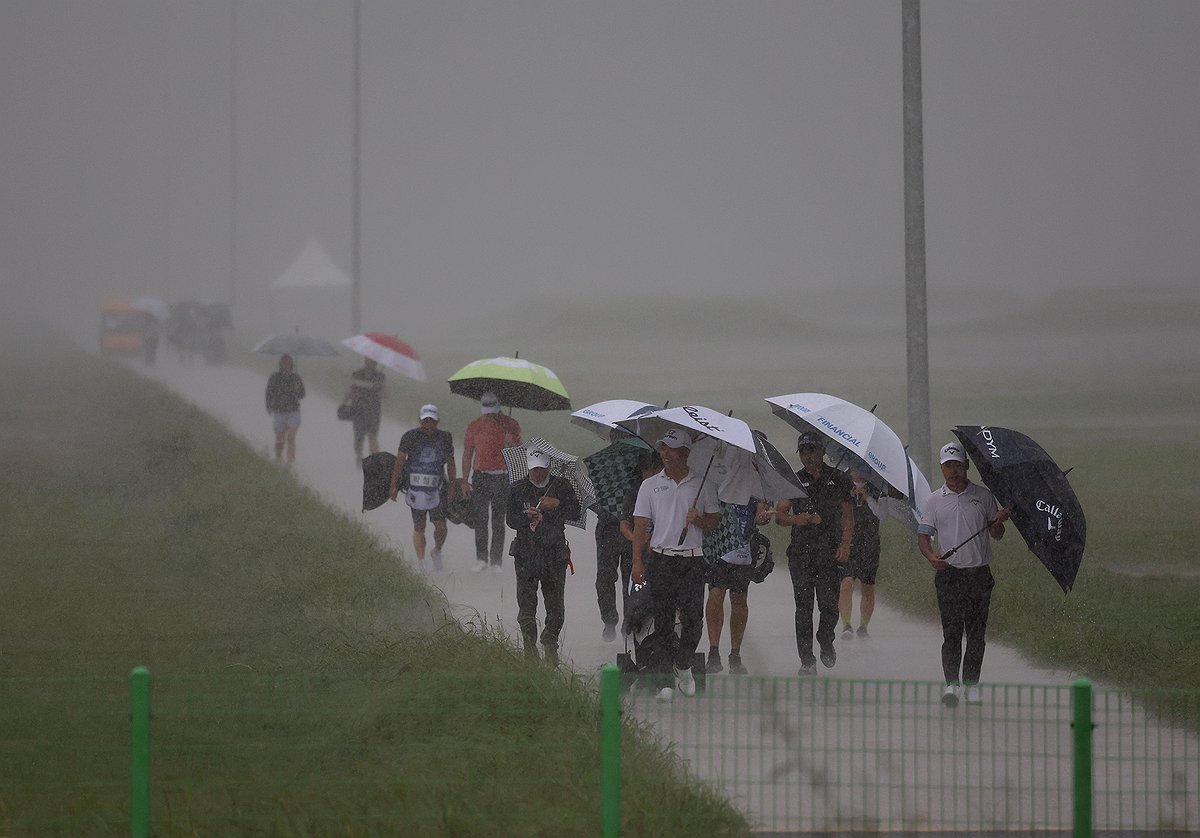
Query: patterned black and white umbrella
[(566, 466)]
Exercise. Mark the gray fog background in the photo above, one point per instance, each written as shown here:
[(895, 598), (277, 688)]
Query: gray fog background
[(577, 158)]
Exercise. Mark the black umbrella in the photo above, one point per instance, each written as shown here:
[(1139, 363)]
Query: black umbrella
[(1026, 481)]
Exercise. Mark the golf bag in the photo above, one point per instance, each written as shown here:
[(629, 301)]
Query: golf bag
[(648, 645)]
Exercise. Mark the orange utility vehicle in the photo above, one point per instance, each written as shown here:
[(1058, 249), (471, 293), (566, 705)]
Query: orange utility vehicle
[(123, 327)]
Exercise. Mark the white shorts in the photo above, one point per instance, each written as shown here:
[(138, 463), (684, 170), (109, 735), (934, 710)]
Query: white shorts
[(283, 421)]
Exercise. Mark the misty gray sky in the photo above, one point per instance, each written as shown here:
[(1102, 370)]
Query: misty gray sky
[(514, 149)]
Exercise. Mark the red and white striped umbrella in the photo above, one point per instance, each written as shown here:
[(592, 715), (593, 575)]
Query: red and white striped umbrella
[(390, 351)]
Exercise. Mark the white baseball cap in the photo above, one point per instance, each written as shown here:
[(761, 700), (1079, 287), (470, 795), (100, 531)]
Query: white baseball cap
[(537, 459), (489, 403), (952, 451), (675, 438), (429, 411)]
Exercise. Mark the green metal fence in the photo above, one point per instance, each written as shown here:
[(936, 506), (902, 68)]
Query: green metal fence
[(823, 754), (795, 755)]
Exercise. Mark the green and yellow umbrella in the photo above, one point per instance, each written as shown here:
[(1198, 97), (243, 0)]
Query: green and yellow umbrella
[(515, 381)]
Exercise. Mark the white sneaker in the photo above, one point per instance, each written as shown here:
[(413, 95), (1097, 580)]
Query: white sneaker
[(950, 695), (497, 569), (685, 682), (435, 556), (665, 695), (480, 566), (972, 694)]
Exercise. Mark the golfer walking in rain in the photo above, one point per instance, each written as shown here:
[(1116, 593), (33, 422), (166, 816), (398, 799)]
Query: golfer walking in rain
[(674, 501), (957, 514)]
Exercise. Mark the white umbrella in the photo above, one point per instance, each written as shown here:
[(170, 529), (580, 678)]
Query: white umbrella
[(854, 434), (390, 351), (697, 419), (562, 465), (745, 466), (601, 418), (154, 306), (295, 343)]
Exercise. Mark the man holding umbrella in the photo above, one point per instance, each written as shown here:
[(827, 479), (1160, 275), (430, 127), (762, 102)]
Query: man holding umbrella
[(957, 513), (674, 509), (822, 527), (537, 508), (485, 477)]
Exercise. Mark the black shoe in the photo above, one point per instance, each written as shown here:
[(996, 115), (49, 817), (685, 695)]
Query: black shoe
[(862, 633), (735, 665), (808, 668), (714, 663), (828, 657), (551, 654)]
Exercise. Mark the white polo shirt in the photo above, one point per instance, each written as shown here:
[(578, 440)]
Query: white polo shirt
[(954, 517), (666, 504)]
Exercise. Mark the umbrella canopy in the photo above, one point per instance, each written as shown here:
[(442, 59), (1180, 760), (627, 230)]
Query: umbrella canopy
[(697, 419), (849, 428), (613, 472), (154, 306), (390, 351), (516, 382), (1026, 481), (562, 465), (745, 464), (601, 418), (295, 343), (774, 476)]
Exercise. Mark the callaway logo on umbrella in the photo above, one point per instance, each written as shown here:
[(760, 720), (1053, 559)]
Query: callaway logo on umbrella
[(1026, 481)]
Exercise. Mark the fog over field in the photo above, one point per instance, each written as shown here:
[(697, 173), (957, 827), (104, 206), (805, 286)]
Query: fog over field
[(659, 196)]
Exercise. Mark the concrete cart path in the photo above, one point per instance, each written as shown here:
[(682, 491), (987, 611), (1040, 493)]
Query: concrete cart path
[(900, 647)]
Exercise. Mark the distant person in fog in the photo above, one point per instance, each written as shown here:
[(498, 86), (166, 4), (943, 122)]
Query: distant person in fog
[(285, 389), (365, 398)]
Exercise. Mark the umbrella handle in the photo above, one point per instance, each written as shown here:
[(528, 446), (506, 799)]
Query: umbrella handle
[(683, 533), (978, 533)]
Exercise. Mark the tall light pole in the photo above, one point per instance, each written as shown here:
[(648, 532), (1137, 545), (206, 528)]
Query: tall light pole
[(233, 204), (356, 185), (914, 240)]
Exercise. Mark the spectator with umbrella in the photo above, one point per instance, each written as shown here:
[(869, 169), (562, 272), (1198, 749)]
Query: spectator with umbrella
[(485, 477), (514, 382), (285, 389), (956, 513), (365, 398), (537, 509), (366, 383)]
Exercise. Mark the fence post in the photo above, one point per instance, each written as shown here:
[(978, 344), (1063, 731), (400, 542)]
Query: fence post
[(1081, 704), (610, 751), (139, 741)]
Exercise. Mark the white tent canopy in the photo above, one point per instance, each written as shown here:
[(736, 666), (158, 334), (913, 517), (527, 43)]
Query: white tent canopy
[(312, 269)]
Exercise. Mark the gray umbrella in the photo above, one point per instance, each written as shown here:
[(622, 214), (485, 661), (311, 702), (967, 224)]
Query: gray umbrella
[(295, 343)]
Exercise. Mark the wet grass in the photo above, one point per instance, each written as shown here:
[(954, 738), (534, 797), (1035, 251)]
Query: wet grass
[(304, 682)]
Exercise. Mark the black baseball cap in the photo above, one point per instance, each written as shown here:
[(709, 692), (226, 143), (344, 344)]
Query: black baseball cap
[(810, 439)]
